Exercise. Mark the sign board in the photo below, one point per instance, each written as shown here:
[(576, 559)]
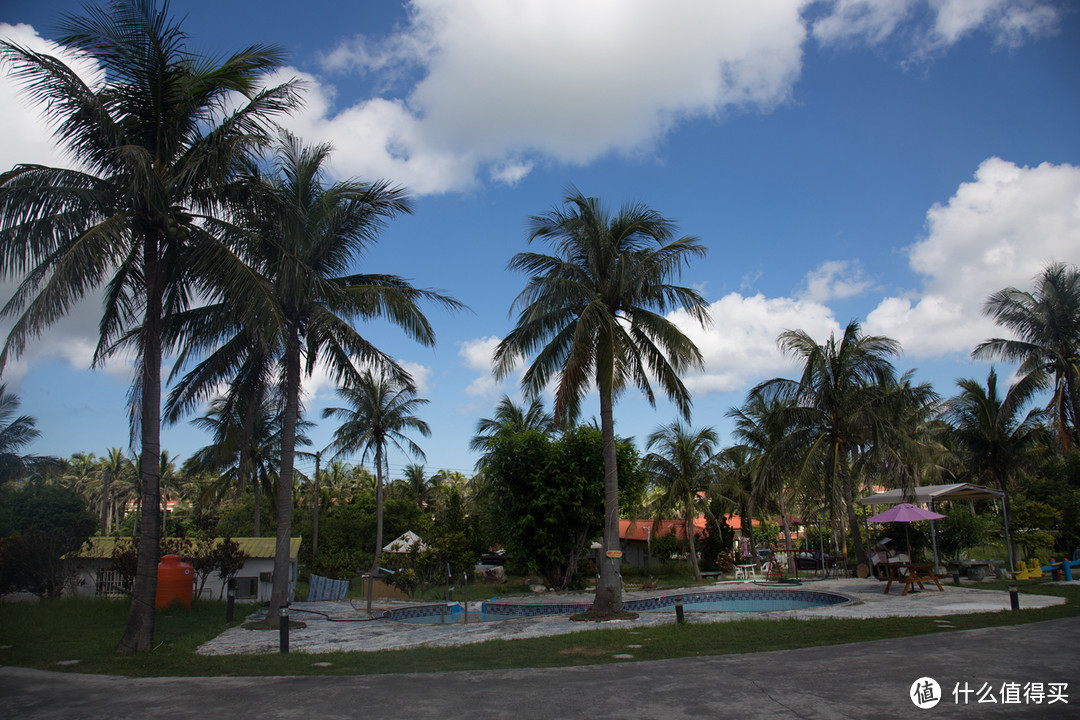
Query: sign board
[(614, 553)]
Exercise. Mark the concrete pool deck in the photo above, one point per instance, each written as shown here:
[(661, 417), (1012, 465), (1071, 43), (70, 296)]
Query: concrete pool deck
[(344, 627)]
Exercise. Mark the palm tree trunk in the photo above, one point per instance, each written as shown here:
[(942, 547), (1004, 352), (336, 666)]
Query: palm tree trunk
[(139, 630), (315, 507), (378, 508), (853, 519), (242, 469), (689, 521), (105, 504), (279, 594), (787, 532), (608, 597)]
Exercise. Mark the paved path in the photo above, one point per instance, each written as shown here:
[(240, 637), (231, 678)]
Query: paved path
[(862, 680)]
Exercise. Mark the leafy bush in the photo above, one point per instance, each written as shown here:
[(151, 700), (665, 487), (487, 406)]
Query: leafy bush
[(41, 529), (959, 531)]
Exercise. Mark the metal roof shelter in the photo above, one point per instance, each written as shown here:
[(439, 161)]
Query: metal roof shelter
[(933, 493)]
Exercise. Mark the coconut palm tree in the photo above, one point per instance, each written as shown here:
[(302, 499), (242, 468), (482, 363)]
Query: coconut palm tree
[(16, 432), (381, 410), (838, 402), (304, 236), (509, 418), (1046, 323), (682, 468), (114, 468), (770, 437), (593, 315), (996, 438), (153, 142)]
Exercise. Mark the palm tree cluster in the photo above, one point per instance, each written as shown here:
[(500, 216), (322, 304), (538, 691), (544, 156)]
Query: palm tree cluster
[(201, 245)]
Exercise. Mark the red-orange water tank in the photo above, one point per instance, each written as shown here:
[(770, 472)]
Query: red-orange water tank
[(175, 582)]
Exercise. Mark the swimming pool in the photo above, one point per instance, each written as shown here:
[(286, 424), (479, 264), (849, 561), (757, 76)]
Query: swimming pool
[(735, 600)]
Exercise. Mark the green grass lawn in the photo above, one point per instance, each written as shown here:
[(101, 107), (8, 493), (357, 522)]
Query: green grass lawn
[(41, 635)]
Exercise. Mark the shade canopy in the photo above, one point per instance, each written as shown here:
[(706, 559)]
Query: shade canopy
[(932, 493), (904, 512), (405, 542)]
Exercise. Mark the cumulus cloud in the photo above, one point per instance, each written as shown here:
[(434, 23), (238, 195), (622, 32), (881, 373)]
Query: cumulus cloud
[(739, 347), (998, 230)]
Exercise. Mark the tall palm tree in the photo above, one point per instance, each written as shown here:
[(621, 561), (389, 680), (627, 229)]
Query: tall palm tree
[(381, 410), (154, 141), (1046, 323), (16, 432), (682, 468), (509, 418), (304, 236), (114, 467), (768, 431), (839, 398), (415, 481), (995, 437), (593, 315)]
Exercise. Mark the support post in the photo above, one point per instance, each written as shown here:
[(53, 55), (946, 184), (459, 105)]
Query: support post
[(679, 616)]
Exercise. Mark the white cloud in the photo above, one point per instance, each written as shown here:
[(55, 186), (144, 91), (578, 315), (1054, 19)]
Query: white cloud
[(933, 25), (997, 231), (739, 347), (503, 84), (835, 279), (27, 136), (479, 355)]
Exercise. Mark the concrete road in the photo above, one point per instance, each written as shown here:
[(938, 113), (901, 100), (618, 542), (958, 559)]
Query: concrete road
[(863, 680)]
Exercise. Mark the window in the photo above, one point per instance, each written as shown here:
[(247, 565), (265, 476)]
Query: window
[(246, 587), (110, 583)]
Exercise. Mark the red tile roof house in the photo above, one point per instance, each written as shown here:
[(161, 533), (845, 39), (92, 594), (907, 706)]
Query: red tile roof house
[(254, 581), (636, 536)]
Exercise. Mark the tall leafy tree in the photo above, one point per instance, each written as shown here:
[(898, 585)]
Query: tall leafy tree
[(996, 438), (381, 411), (1046, 325), (682, 467), (153, 143), (115, 467), (593, 315), (840, 402)]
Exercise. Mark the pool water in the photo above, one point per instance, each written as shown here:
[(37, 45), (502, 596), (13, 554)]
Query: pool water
[(757, 600)]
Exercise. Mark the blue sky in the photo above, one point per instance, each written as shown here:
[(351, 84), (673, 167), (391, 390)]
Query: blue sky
[(890, 161)]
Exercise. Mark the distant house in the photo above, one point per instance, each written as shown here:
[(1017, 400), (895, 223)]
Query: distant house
[(255, 581), (636, 536)]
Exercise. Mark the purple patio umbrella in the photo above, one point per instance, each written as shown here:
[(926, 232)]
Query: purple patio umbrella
[(905, 513)]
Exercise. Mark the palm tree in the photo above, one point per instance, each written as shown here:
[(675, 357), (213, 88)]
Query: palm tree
[(304, 236), (15, 434), (1046, 323), (415, 483), (771, 442), (381, 410), (114, 467), (593, 314), (839, 400), (154, 141), (682, 469), (996, 438), (509, 418)]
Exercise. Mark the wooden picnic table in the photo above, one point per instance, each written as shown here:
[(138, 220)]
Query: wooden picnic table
[(916, 574)]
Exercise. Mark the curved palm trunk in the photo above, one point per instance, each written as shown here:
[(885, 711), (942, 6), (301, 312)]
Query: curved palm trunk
[(608, 597), (689, 521), (139, 630), (280, 593), (787, 532), (315, 509), (852, 518), (378, 508)]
